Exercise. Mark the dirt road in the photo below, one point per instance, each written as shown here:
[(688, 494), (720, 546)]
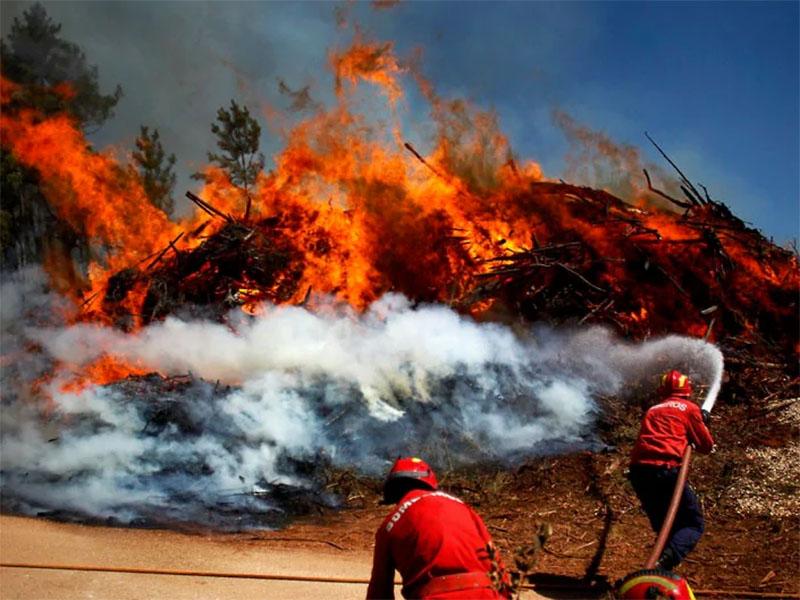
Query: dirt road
[(41, 542), (34, 541)]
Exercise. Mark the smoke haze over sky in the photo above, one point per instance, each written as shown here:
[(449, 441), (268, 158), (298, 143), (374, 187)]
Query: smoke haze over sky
[(715, 83)]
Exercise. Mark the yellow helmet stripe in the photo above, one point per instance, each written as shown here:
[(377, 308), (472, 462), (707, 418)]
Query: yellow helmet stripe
[(648, 579)]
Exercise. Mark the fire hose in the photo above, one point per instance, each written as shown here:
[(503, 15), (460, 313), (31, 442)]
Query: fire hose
[(343, 580), (673, 509)]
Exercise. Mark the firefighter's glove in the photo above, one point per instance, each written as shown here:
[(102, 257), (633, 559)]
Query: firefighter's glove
[(706, 417)]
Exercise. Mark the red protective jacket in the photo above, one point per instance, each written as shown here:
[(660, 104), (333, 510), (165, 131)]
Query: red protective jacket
[(666, 429), (427, 536)]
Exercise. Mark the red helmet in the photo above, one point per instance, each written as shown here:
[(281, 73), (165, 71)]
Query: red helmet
[(412, 467), (655, 584), (675, 383)]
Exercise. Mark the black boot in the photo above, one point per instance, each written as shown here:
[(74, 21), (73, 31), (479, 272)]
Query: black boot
[(668, 560)]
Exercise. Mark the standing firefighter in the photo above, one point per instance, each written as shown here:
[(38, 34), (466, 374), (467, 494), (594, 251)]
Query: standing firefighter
[(439, 545), (667, 428)]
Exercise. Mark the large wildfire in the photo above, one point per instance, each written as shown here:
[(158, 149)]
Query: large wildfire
[(354, 222)]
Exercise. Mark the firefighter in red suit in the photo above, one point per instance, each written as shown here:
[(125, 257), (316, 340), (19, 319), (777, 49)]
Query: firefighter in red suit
[(439, 545), (667, 428)]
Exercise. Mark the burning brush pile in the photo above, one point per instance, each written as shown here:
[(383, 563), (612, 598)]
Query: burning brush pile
[(360, 300), (590, 258)]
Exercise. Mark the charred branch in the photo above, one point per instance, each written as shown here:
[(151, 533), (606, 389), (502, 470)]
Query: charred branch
[(581, 277), (691, 192), (673, 280), (638, 228), (205, 206), (161, 254), (421, 159), (692, 198), (663, 194)]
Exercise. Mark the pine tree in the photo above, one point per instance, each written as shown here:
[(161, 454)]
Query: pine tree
[(53, 76), (155, 169), (238, 137), (34, 56)]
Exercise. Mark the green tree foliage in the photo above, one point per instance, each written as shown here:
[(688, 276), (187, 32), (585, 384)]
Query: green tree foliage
[(155, 169), (28, 228), (35, 56), (238, 139), (54, 76), (13, 184)]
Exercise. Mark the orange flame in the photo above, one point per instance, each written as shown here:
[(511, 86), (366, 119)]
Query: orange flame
[(370, 61), (105, 369), (88, 190), (356, 213)]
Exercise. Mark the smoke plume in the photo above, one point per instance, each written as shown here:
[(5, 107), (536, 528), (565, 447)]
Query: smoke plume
[(243, 415)]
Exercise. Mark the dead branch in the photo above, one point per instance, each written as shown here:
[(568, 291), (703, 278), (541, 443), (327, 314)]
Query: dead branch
[(605, 304), (695, 197), (664, 195), (413, 151), (161, 254), (89, 299), (581, 277), (709, 329), (638, 227), (690, 196), (673, 280), (208, 208), (301, 540)]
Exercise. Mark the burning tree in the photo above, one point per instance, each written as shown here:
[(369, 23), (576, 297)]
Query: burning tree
[(47, 65), (155, 169), (238, 137), (52, 77)]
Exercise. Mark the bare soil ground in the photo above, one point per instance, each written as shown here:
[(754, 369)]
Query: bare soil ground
[(749, 489)]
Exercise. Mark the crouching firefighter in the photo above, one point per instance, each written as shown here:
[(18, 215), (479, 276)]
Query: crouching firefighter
[(439, 545), (667, 428)]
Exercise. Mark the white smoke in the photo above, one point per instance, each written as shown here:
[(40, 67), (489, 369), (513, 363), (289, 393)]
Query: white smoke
[(621, 366), (263, 402)]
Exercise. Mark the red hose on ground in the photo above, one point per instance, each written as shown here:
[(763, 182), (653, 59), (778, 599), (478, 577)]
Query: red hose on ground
[(673, 509), (739, 593)]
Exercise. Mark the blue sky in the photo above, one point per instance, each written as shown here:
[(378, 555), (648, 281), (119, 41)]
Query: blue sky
[(715, 83)]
